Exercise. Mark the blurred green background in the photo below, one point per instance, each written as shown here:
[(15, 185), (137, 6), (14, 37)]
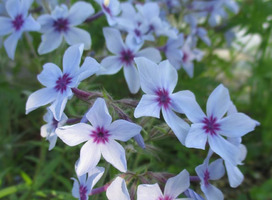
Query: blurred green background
[(29, 171)]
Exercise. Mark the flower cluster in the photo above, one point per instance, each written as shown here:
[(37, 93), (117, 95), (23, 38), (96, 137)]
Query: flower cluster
[(131, 38)]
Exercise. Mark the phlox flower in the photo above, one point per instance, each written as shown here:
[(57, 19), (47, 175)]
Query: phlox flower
[(207, 172), (214, 125), (193, 195), (85, 183), (61, 23), (17, 22), (100, 138), (124, 57), (59, 84), (111, 9), (48, 130), (133, 23), (158, 82), (118, 190), (181, 53), (173, 188)]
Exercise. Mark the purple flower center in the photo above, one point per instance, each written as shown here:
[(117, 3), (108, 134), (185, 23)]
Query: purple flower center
[(82, 192), (163, 98), (61, 24), (210, 125), (137, 32), (185, 57), (100, 135), (206, 177), (165, 198), (62, 82), (18, 22), (127, 56), (55, 123)]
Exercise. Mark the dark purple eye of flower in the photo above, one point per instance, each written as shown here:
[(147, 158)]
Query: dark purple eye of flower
[(163, 97), (127, 56), (18, 22), (61, 24), (165, 198), (185, 57), (82, 192), (55, 123), (211, 125), (62, 82), (137, 32), (206, 177), (100, 135)]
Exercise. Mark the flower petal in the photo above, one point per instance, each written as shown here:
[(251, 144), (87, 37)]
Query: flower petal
[(114, 153), (118, 190), (88, 68), (75, 190), (74, 134), (40, 98), (196, 137), (168, 75), (58, 106), (235, 176), (6, 26), (79, 12), (148, 106), (90, 155), (124, 130), (49, 75), (50, 41), (99, 115), (71, 59), (212, 192), (11, 44), (114, 41), (77, 36), (94, 174), (177, 185), (149, 192), (178, 125), (224, 149), (236, 125), (13, 7), (216, 169), (150, 53), (110, 65), (132, 78), (218, 102), (149, 75), (31, 25)]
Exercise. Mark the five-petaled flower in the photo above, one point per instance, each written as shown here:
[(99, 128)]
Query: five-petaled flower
[(173, 188), (18, 22), (61, 23), (85, 183), (158, 82), (59, 84), (211, 126), (100, 137), (207, 172), (125, 54)]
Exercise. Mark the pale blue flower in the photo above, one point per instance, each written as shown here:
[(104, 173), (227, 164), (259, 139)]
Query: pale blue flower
[(173, 188), (84, 184), (61, 24), (59, 84), (158, 82), (18, 22), (124, 57), (207, 172), (48, 130), (214, 125), (100, 138)]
